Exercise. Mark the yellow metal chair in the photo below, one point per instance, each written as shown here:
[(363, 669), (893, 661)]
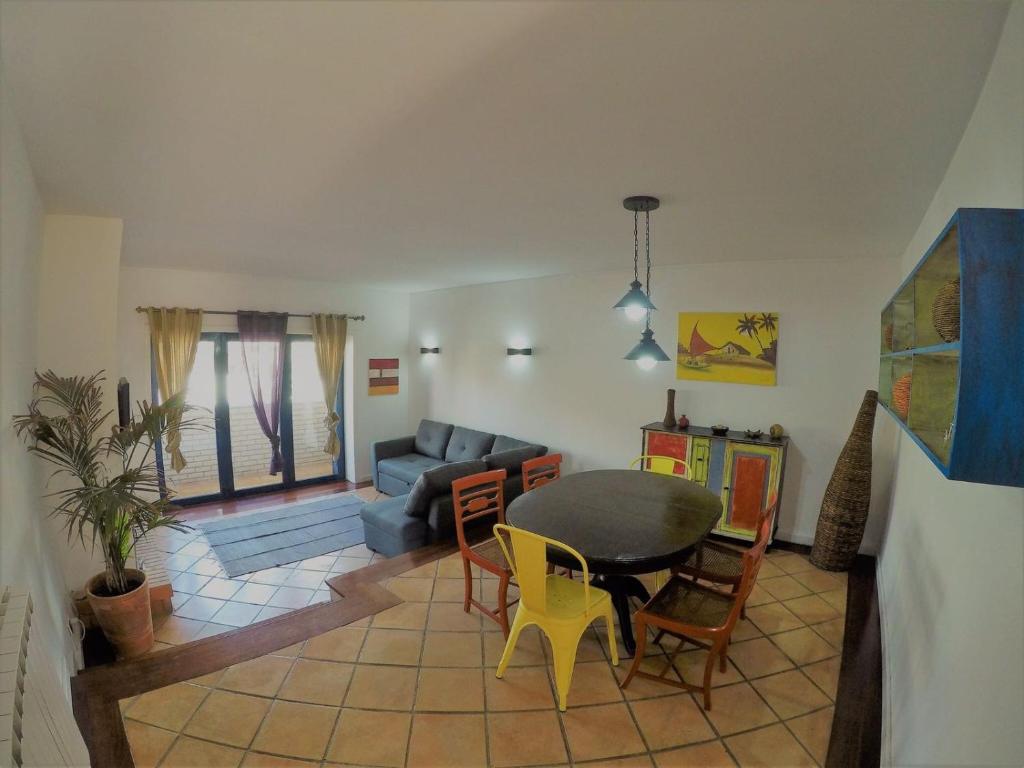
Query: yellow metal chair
[(663, 465), (562, 608)]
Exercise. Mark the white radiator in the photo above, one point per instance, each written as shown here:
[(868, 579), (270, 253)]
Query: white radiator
[(37, 725)]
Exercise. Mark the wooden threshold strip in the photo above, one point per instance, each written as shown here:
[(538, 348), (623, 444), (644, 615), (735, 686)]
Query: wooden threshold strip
[(95, 692)]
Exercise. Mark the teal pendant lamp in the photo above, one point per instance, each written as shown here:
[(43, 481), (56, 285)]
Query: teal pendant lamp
[(637, 303)]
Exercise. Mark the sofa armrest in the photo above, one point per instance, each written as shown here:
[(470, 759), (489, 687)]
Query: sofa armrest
[(388, 449)]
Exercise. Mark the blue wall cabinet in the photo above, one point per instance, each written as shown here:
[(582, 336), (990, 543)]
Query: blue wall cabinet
[(951, 368)]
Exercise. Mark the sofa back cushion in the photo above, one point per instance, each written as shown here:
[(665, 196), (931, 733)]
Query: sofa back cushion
[(504, 443), (511, 461), (432, 438), (438, 482), (466, 444)]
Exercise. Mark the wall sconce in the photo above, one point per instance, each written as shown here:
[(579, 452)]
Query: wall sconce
[(430, 350), (519, 351)]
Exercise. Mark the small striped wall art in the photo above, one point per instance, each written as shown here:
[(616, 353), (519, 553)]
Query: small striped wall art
[(383, 376)]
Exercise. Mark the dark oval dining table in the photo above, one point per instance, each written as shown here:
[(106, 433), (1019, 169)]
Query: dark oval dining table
[(624, 523)]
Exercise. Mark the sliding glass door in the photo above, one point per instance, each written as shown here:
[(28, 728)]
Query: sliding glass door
[(231, 455)]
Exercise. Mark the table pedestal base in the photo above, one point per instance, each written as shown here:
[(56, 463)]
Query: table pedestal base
[(621, 589)]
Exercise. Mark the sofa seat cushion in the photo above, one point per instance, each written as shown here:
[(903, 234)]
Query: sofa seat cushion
[(432, 438), (409, 467), (467, 444), (389, 530), (504, 443)]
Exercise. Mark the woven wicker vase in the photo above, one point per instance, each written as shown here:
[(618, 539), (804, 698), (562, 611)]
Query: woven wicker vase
[(844, 510)]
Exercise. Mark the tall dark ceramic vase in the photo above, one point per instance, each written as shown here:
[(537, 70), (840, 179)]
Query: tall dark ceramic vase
[(670, 410), (844, 509)]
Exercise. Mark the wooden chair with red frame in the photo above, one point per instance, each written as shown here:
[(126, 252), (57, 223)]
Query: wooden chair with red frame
[(541, 471), (475, 497), (696, 614), (721, 564)]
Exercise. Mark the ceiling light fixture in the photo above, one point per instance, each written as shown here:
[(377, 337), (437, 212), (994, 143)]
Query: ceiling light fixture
[(430, 350), (646, 353), (636, 304)]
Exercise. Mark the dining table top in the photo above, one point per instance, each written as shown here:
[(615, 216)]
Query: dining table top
[(622, 521)]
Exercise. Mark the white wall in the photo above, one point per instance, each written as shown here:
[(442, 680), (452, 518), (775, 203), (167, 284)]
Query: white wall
[(577, 395), (951, 571), (28, 553), (76, 325), (384, 333)]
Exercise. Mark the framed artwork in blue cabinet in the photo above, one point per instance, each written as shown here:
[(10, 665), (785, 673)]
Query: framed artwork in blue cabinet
[(951, 368)]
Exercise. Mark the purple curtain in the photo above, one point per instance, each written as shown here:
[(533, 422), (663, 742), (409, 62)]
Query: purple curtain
[(263, 335)]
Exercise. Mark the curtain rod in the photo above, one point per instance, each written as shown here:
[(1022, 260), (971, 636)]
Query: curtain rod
[(235, 312)]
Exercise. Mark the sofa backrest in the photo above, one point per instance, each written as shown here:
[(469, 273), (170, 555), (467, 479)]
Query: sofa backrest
[(432, 438), (438, 482), (511, 461), (504, 443), (466, 444)]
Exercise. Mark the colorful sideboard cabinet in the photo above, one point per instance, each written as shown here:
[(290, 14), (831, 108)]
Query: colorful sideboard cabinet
[(951, 368), (744, 471)]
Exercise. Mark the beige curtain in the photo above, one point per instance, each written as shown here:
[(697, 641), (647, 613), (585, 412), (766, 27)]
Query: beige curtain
[(329, 334), (174, 334)]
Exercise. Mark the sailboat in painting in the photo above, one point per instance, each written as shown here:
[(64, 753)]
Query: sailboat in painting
[(720, 346)]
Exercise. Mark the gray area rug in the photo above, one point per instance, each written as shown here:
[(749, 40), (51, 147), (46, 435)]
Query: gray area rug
[(284, 534)]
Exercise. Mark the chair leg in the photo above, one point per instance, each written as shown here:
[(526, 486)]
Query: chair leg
[(709, 667), (612, 644), (638, 655), (743, 608), (723, 657), (518, 623), (563, 648), (503, 603), (468, 574)]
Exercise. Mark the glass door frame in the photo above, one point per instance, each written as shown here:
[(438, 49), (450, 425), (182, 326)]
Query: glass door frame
[(222, 428)]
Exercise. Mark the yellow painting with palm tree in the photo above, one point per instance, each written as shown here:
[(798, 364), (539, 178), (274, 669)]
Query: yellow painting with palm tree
[(737, 347)]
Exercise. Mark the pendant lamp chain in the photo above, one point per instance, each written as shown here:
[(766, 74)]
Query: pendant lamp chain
[(647, 220), (636, 248)]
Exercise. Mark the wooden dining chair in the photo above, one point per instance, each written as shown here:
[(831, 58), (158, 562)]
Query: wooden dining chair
[(696, 614), (541, 471), (561, 608), (722, 564), (475, 497), (663, 465)]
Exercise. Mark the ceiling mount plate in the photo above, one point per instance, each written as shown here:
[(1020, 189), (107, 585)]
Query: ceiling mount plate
[(641, 203)]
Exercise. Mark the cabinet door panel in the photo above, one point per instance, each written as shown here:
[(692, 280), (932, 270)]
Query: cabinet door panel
[(667, 444), (749, 489), (700, 459), (752, 474)]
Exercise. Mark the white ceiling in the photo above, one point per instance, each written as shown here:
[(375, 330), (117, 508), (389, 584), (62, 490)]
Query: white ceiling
[(431, 144)]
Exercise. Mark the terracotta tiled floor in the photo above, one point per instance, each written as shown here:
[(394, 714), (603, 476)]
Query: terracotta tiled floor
[(206, 602), (414, 686)]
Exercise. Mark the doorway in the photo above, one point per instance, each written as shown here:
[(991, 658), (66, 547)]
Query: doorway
[(230, 456)]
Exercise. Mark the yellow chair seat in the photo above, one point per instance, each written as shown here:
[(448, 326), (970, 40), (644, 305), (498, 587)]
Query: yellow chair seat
[(567, 599)]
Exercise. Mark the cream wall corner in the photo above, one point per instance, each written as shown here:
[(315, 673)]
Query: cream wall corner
[(951, 569), (77, 325)]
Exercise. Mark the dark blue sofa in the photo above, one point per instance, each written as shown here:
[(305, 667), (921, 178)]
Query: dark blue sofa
[(417, 472)]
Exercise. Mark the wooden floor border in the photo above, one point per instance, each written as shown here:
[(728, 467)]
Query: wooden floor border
[(95, 692)]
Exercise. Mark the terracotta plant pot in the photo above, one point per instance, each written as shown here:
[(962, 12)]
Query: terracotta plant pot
[(125, 619)]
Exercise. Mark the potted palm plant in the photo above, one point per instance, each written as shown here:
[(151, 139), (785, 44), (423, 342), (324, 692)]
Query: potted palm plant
[(111, 497)]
